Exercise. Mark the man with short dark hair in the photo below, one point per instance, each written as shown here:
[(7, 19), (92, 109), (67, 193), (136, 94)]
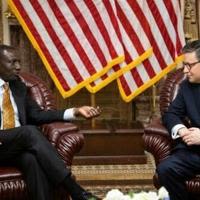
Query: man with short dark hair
[(184, 162), (21, 142)]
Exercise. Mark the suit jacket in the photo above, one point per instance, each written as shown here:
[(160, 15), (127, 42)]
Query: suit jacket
[(186, 105), (29, 111)]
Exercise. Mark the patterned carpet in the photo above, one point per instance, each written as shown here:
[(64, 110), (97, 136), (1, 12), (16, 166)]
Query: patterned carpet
[(99, 179)]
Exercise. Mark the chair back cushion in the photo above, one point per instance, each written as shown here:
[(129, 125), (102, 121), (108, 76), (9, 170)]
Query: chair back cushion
[(170, 88), (38, 91)]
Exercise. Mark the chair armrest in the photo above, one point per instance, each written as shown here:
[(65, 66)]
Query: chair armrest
[(53, 131), (157, 140), (65, 137), (156, 128)]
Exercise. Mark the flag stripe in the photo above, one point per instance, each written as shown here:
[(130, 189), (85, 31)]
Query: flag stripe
[(80, 34), (52, 49), (111, 28), (88, 16), (65, 40), (89, 35), (42, 44), (56, 40), (142, 18), (179, 27), (101, 26), (161, 25), (72, 37), (112, 16), (134, 39), (142, 74), (173, 17), (146, 63)]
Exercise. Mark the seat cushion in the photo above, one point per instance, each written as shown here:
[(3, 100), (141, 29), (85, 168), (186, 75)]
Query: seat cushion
[(9, 173), (12, 185)]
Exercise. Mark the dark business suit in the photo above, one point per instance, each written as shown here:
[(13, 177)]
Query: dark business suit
[(184, 162), (27, 148)]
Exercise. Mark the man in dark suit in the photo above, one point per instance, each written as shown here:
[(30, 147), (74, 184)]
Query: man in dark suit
[(184, 161), (21, 142)]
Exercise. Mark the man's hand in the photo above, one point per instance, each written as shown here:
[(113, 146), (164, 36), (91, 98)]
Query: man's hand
[(87, 111), (190, 136), (183, 131)]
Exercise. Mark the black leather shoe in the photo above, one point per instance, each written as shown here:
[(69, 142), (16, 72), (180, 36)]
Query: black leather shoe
[(86, 196)]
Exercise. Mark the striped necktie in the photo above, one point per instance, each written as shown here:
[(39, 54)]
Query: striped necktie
[(7, 108)]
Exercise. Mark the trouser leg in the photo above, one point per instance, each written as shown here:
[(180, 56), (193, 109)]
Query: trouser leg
[(45, 153), (175, 170), (38, 185), (28, 139)]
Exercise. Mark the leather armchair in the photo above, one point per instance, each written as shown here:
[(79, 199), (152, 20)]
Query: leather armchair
[(156, 138), (64, 136)]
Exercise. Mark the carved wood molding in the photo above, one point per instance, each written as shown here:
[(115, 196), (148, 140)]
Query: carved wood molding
[(1, 23), (198, 18), (191, 19)]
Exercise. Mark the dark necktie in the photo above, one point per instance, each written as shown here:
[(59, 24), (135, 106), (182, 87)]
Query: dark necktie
[(7, 108)]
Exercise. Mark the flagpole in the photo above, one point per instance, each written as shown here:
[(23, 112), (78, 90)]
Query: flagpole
[(93, 103), (153, 103)]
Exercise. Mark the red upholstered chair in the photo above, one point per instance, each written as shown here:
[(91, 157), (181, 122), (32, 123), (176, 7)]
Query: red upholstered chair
[(156, 138), (64, 136)]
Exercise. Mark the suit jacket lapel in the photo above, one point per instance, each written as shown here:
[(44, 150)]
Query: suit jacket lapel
[(19, 94)]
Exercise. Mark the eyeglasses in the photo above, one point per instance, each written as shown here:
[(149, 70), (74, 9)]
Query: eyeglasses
[(189, 65)]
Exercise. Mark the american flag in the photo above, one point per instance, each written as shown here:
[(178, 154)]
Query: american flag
[(89, 43)]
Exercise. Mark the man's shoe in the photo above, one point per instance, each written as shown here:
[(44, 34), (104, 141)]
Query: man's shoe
[(86, 196)]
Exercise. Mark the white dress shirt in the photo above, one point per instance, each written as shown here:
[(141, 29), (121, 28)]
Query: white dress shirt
[(175, 129), (68, 114)]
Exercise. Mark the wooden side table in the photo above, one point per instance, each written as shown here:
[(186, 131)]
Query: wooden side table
[(112, 143)]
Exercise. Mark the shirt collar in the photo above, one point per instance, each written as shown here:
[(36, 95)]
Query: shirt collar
[(2, 82)]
